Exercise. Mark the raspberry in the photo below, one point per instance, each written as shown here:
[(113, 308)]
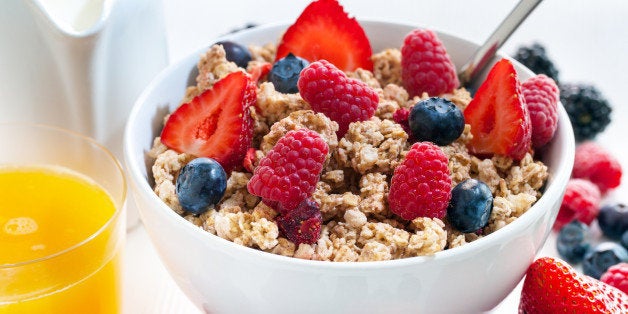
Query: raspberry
[(425, 65), (421, 186), (302, 224), (289, 172), (342, 99), (401, 116), (594, 163), (581, 202), (541, 96), (617, 276)]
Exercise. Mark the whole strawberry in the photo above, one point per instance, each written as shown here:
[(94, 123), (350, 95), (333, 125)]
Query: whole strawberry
[(617, 276), (552, 286), (425, 65), (302, 224), (421, 185), (541, 97), (594, 163), (289, 172), (581, 201), (342, 99)]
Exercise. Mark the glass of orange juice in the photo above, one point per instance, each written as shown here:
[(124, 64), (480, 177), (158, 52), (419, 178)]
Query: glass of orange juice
[(62, 222)]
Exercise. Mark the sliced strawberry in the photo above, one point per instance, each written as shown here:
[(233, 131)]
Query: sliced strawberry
[(553, 286), (259, 70), (498, 116), (325, 31), (216, 123)]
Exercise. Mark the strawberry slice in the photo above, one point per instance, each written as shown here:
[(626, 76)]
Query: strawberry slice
[(216, 123), (499, 118), (325, 31), (552, 286)]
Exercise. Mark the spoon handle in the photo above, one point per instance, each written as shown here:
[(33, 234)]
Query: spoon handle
[(484, 53)]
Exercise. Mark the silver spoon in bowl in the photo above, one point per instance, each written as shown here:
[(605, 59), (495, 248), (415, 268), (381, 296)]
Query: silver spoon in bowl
[(469, 71)]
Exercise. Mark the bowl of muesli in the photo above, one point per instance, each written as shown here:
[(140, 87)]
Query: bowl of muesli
[(261, 193)]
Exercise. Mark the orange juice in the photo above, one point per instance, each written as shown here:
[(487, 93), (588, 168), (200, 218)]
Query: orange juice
[(59, 243)]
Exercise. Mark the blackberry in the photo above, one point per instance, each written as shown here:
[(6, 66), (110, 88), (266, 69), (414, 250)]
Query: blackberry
[(588, 110), (535, 58)]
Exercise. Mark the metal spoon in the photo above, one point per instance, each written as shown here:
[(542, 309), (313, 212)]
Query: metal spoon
[(469, 71)]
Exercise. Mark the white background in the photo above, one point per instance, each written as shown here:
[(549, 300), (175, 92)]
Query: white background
[(588, 41)]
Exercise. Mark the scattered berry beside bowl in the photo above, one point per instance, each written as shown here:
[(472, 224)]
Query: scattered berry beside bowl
[(572, 241), (602, 256), (617, 276)]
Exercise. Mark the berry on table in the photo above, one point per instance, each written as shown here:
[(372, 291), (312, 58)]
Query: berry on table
[(301, 224), (613, 220), (602, 256), (571, 242), (325, 31), (594, 163), (425, 65), (216, 123), (541, 97), (201, 182), (437, 120), (553, 286), (470, 206), (617, 276), (535, 58), (329, 91), (499, 118), (589, 112), (236, 53), (421, 185), (624, 240), (581, 201), (285, 73), (289, 172)]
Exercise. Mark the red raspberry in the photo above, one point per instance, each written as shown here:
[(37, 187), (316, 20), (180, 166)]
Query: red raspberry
[(342, 99), (594, 163), (581, 201), (289, 172), (401, 116), (541, 96), (421, 186), (617, 276), (302, 224), (425, 65)]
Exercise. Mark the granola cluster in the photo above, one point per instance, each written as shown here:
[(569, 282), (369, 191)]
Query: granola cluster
[(353, 188)]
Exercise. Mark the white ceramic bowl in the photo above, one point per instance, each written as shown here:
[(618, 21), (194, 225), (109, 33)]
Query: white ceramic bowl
[(223, 277)]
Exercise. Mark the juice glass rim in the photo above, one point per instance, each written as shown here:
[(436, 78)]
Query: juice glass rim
[(119, 203)]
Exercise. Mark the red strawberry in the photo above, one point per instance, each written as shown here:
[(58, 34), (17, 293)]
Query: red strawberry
[(594, 163), (216, 123), (581, 202), (617, 276), (421, 186), (325, 31), (541, 97), (289, 172), (259, 70), (342, 99), (425, 65), (302, 224), (552, 286), (498, 116)]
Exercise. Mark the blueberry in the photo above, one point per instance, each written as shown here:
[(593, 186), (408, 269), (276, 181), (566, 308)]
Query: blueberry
[(624, 240), (613, 220), (470, 205), (572, 241), (437, 120), (604, 255), (285, 73), (236, 53), (201, 183)]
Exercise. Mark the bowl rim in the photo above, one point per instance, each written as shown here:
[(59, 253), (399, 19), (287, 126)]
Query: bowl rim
[(558, 177)]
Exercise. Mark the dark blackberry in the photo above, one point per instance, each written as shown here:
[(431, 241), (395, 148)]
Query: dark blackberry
[(535, 58), (588, 110)]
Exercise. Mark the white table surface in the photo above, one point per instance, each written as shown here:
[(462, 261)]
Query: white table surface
[(588, 41)]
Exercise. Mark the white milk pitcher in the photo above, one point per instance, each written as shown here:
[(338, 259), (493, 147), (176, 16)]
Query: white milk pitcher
[(79, 64)]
